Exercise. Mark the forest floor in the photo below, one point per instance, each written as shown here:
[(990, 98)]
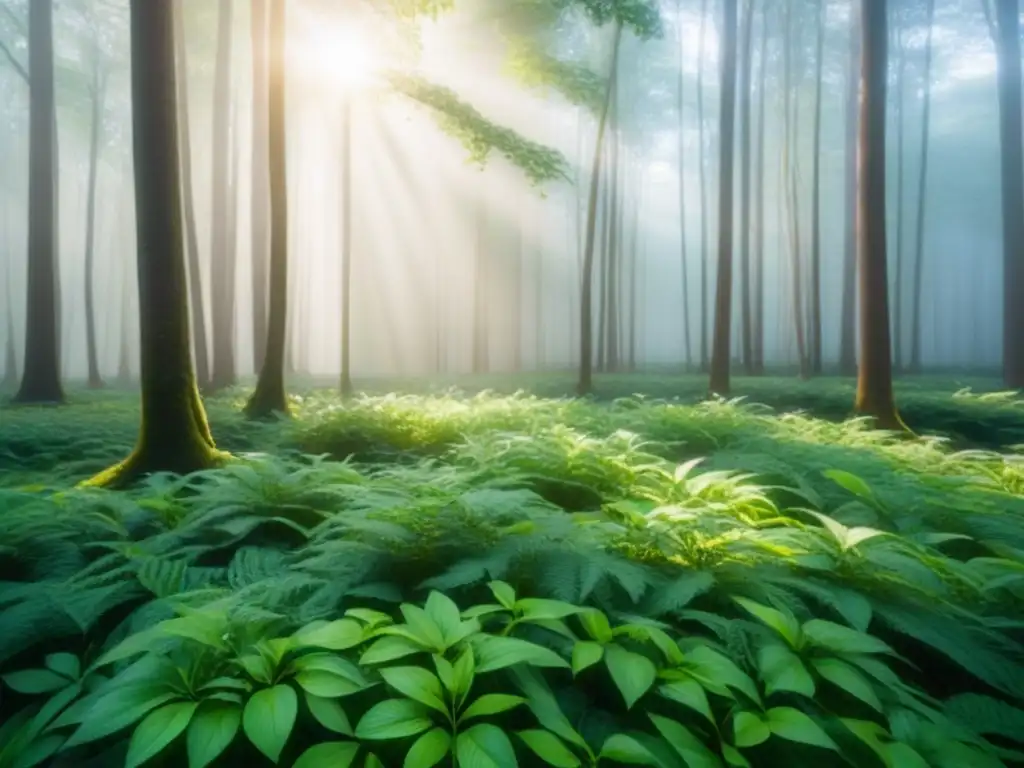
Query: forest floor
[(737, 583)]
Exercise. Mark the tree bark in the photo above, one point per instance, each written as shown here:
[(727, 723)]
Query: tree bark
[(848, 312), (746, 67), (874, 380), (260, 198), (720, 354), (758, 277), (269, 396), (174, 435), (702, 50), (683, 260), (40, 381), (97, 93), (897, 301), (815, 319)]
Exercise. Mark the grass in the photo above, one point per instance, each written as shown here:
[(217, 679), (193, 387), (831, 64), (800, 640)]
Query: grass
[(783, 553)]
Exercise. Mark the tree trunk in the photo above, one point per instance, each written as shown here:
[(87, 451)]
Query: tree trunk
[(269, 397), (346, 246), (481, 338), (746, 66), (260, 200), (585, 384), (614, 254), (174, 435), (687, 341), (40, 381), (815, 329), (702, 50), (720, 355), (848, 312), (97, 92), (197, 299), (897, 300), (874, 380), (1009, 56), (10, 352), (758, 301)]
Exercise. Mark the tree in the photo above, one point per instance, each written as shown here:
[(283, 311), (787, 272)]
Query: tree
[(701, 160), (174, 435), (720, 354), (683, 261), (746, 70), (874, 379), (848, 313), (814, 342), (260, 200), (346, 246), (40, 381)]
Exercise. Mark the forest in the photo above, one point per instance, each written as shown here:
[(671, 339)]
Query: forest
[(486, 383)]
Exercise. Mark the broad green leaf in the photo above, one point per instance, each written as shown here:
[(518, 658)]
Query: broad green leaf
[(503, 593), (326, 684), (549, 748), (372, 761), (445, 614), (423, 627), (846, 677), (41, 748), (733, 756), (329, 713), (900, 755), (445, 672), (485, 746), (782, 623), (596, 625), (585, 654), (689, 693), (632, 673), (464, 671), (544, 706), (114, 712), (872, 734), (269, 717), (210, 732), (850, 482), (158, 729), (491, 704), (393, 719), (537, 609), (66, 664), (749, 730), (694, 752), (839, 639), (494, 652), (626, 749), (388, 649), (258, 667), (329, 754), (369, 617), (34, 681), (337, 635), (429, 749), (782, 670), (416, 683), (718, 673), (794, 725), (333, 665)]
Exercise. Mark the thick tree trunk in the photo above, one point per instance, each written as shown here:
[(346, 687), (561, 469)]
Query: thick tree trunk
[(346, 247), (40, 381), (746, 67), (260, 197), (848, 311), (585, 385), (874, 380), (269, 397), (98, 89), (174, 435), (720, 354), (704, 257), (197, 299), (815, 319), (683, 259), (897, 299)]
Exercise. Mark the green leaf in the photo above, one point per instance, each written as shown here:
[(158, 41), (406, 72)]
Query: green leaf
[(718, 673), (464, 671), (585, 654), (66, 664), (423, 627), (850, 482), (846, 677), (337, 635), (839, 639), (372, 761), (794, 725), (549, 748), (596, 626), (114, 712), (268, 719), (632, 673), (693, 751), (334, 665), (689, 693), (485, 746), (872, 734), (733, 756), (749, 730), (388, 649), (494, 652), (491, 704), (544, 705), (416, 683), (34, 681), (900, 755), (326, 684), (782, 623), (537, 609), (445, 614), (429, 749), (329, 713), (41, 749), (393, 719), (503, 593), (158, 729), (210, 732), (782, 670), (329, 754), (626, 749)]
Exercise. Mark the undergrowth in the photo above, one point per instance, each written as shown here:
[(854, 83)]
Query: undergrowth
[(491, 581)]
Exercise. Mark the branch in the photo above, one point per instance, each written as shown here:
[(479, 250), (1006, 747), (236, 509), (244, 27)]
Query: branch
[(14, 62), (989, 20)]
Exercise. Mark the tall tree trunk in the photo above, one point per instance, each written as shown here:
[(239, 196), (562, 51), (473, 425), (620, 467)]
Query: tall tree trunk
[(197, 298), (848, 311), (585, 385), (269, 396), (746, 66), (897, 300), (683, 260), (481, 278), (346, 246), (874, 380), (922, 191), (602, 309), (260, 200), (704, 257), (815, 329), (10, 353), (720, 355), (97, 93), (174, 435), (221, 254), (40, 381), (614, 254), (758, 277), (1009, 57)]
